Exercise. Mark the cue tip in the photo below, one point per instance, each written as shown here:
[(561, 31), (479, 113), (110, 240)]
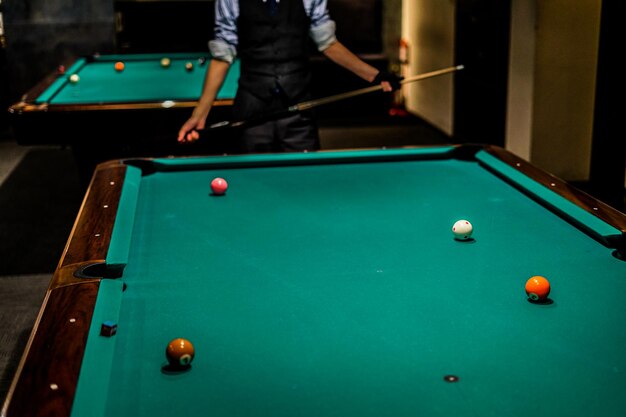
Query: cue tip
[(460, 67)]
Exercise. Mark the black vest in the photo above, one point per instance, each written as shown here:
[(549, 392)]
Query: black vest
[(274, 49)]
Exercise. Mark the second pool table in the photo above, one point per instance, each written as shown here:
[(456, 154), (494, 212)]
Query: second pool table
[(330, 284), (111, 114)]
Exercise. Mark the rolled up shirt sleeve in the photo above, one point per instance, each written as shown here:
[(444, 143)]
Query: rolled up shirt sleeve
[(322, 29), (222, 51), (224, 44)]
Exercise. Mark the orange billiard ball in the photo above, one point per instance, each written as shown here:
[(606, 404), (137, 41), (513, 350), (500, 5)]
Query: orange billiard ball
[(119, 66), (219, 186), (537, 288), (179, 352)]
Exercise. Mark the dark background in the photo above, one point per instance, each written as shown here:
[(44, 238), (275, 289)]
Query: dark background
[(42, 34)]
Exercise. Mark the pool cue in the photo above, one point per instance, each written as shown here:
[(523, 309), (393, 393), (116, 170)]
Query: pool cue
[(331, 99), (306, 105)]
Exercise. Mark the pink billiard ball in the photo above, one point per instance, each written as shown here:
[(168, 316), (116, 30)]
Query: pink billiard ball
[(219, 186)]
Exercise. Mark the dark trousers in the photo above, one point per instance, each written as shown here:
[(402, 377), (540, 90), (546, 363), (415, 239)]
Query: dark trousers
[(295, 133)]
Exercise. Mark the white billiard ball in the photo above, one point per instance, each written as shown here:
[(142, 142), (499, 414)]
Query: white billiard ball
[(462, 230)]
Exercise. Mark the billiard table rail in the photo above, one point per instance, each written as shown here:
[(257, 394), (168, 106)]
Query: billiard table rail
[(614, 237), (90, 238), (47, 374), (28, 107), (65, 316)]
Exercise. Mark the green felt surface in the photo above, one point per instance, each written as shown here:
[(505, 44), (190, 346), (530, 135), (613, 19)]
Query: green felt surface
[(142, 80), (94, 379), (338, 290), (119, 247)]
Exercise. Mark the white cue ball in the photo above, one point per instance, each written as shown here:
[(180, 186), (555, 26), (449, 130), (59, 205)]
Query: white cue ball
[(462, 230), (74, 78)]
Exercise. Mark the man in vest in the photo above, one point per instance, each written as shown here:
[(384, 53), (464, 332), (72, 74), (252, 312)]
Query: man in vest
[(270, 37)]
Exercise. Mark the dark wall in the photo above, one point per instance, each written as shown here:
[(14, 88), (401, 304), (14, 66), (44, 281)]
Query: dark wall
[(359, 24), (41, 34), (163, 26), (608, 156), (482, 46), (4, 81), (187, 25)]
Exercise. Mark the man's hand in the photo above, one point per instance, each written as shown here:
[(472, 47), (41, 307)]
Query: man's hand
[(388, 80), (214, 78), (188, 132)]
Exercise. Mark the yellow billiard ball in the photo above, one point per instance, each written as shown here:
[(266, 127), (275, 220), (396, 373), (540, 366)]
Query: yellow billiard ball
[(165, 62), (179, 352), (188, 66)]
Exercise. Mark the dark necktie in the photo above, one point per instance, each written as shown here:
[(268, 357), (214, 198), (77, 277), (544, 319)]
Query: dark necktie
[(272, 6)]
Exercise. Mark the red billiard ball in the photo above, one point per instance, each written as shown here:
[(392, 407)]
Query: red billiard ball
[(219, 186), (179, 352), (537, 288), (119, 66)]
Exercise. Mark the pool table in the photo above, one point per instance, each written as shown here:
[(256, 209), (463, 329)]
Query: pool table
[(112, 114), (330, 284)]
